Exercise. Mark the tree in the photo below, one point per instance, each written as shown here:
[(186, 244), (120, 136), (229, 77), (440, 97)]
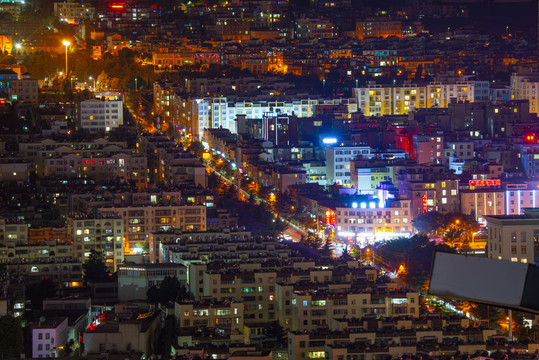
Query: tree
[(326, 249), (11, 337), (419, 73), (46, 288), (170, 290), (168, 337), (429, 222), (312, 241), (196, 148), (153, 295), (347, 253), (68, 348), (453, 236), (276, 331), (95, 268)]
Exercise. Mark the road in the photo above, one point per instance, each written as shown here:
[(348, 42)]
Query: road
[(294, 232)]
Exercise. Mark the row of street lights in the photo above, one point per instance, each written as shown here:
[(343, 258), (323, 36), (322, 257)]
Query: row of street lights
[(66, 43)]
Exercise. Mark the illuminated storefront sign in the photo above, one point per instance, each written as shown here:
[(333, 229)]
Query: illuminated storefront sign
[(487, 182)]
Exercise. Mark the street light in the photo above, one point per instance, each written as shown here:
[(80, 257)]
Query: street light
[(92, 78), (66, 44)]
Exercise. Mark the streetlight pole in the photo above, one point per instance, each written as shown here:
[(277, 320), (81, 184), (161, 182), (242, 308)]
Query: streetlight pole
[(136, 86), (66, 44), (240, 172)]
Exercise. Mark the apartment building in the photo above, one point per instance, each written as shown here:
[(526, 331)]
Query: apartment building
[(25, 89), (483, 201), (13, 232), (285, 177), (17, 88), (131, 330), (51, 148), (201, 247), (278, 290), (122, 166), (428, 148), (15, 171), (314, 309), (220, 112), (368, 174), (525, 86), (379, 100), (255, 289), (194, 114), (401, 336), (252, 282), (520, 196), (49, 337), (529, 155), (71, 11), (97, 115), (366, 221), (44, 234), (43, 251), (462, 150), (430, 189), (135, 280), (338, 160), (315, 29), (64, 270), (378, 27), (101, 233), (490, 196), (514, 237), (225, 315), (14, 10), (139, 221)]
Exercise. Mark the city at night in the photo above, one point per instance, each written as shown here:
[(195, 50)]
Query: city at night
[(269, 179)]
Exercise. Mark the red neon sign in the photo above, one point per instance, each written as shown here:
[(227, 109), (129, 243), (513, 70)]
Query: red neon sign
[(424, 198), (487, 182), (331, 218), (117, 6)]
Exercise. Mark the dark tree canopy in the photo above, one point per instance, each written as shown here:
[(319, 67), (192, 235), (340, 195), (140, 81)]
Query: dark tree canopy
[(11, 336), (36, 293), (95, 268), (170, 290)]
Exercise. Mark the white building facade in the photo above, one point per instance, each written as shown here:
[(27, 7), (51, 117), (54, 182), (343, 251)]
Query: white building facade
[(338, 162), (369, 221), (97, 115), (48, 337)]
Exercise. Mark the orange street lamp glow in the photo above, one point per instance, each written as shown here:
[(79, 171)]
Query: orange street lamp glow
[(66, 44)]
